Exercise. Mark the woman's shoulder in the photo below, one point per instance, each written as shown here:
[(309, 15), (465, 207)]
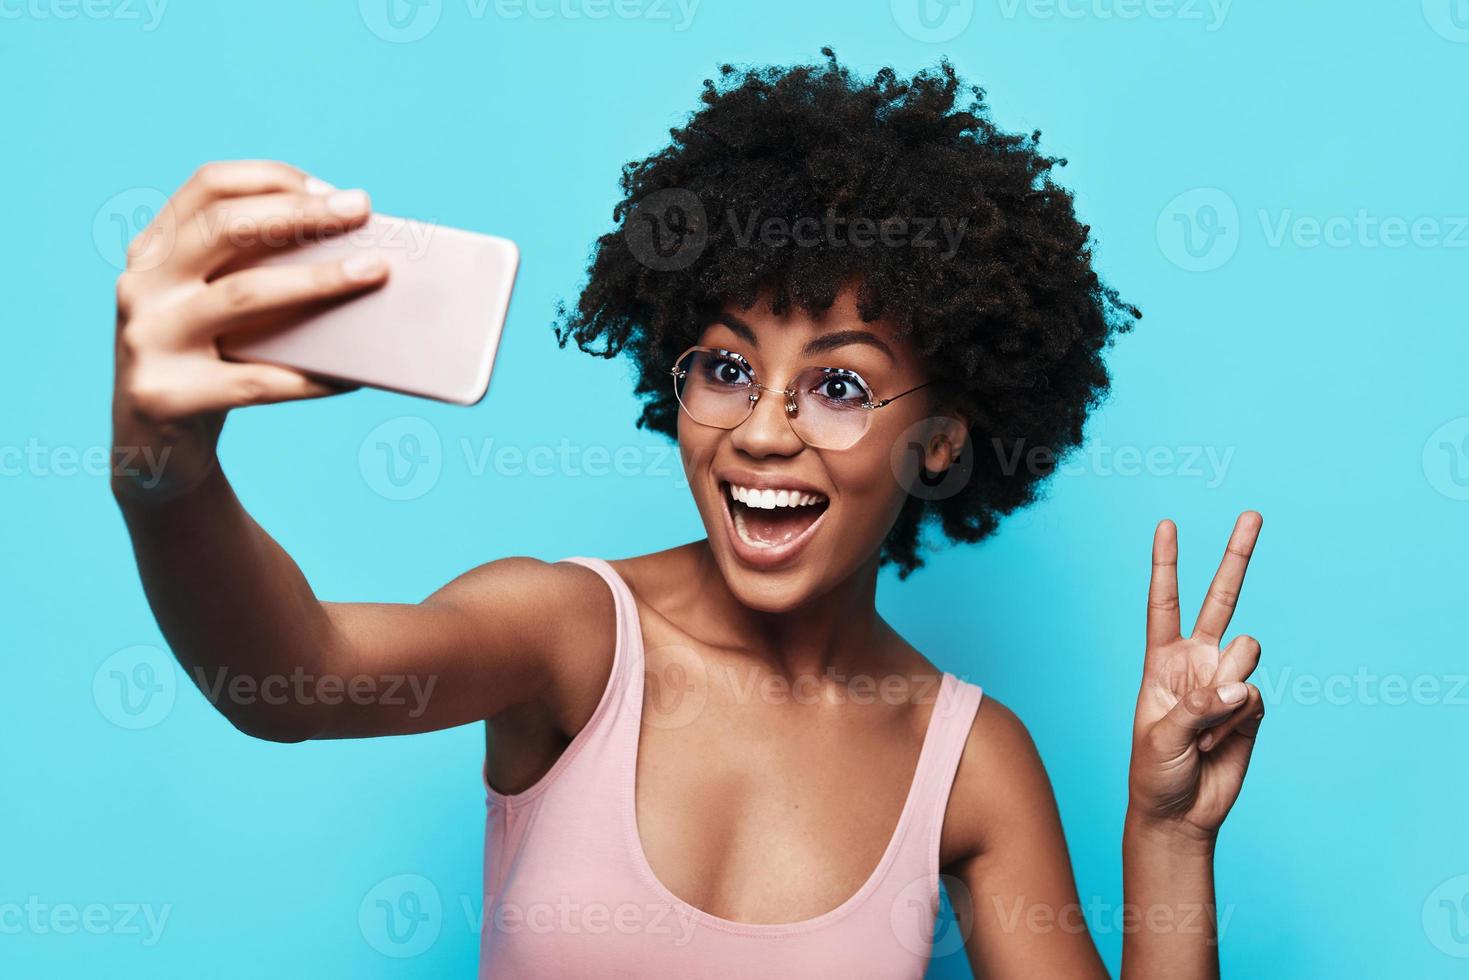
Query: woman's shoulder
[(998, 786), (528, 584), (562, 610)]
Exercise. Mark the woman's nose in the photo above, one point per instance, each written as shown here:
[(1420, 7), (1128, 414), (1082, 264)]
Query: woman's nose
[(767, 431)]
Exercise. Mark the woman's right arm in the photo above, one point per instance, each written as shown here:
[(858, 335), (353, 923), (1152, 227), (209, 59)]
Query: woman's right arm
[(235, 608)]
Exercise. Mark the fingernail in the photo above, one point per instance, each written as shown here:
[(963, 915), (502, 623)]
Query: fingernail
[(315, 185), (1206, 741), (1230, 693), (362, 267), (344, 203)]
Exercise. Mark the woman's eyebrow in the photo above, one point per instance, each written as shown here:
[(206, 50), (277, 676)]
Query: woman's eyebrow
[(831, 341), (738, 326), (826, 342)]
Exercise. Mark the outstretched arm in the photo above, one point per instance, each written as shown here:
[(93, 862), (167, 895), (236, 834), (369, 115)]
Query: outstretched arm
[(237, 611)]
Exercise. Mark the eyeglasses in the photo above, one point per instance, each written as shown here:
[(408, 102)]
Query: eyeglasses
[(829, 408)]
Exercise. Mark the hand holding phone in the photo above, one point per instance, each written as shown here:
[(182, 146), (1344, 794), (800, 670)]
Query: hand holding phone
[(431, 330), (203, 271)]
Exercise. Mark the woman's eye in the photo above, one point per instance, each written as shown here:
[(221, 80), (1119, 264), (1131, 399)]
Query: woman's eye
[(842, 388), (727, 372)]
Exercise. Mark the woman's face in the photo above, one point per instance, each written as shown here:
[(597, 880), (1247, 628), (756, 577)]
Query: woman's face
[(777, 558)]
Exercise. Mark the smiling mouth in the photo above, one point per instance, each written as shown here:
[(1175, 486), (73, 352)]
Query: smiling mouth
[(771, 518)]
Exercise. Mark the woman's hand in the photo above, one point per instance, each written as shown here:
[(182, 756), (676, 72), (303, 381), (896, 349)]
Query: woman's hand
[(1197, 717), (178, 294)]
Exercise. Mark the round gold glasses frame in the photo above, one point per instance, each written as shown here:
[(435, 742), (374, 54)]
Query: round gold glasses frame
[(679, 373)]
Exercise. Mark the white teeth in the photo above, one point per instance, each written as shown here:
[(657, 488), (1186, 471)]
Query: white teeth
[(769, 499)]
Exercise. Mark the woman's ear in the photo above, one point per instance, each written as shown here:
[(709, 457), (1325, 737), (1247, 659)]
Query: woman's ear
[(948, 436)]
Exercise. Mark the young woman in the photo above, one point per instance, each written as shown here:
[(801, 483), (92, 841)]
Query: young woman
[(718, 760)]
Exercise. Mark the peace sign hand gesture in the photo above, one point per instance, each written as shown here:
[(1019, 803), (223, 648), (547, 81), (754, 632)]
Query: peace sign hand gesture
[(1197, 717)]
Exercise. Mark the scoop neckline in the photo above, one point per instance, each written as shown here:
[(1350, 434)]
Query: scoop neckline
[(630, 806)]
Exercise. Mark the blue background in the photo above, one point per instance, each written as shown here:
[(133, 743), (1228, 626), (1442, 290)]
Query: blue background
[(1328, 380)]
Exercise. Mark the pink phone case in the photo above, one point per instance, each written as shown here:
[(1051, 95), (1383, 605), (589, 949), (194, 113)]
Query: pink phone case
[(431, 330)]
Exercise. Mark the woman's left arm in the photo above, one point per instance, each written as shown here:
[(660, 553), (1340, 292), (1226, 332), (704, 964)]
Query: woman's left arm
[(1195, 727), (1009, 876)]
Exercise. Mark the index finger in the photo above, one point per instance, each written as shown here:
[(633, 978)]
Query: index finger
[(238, 178), (1223, 595), (1163, 586), (226, 178)]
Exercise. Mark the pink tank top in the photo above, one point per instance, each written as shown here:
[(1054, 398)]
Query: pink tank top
[(569, 893)]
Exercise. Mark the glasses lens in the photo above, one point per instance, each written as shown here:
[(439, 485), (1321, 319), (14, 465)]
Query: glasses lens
[(714, 388), (829, 407)]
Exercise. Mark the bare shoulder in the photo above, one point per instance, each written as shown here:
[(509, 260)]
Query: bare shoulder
[(1001, 784), (559, 613), (542, 599)]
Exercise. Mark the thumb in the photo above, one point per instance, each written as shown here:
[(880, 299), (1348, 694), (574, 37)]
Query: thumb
[(1201, 708)]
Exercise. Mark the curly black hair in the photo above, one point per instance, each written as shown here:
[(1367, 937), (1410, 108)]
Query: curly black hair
[(1012, 320)]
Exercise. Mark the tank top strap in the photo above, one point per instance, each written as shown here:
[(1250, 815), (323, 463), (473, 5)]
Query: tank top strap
[(910, 889), (952, 719), (597, 752), (622, 701)]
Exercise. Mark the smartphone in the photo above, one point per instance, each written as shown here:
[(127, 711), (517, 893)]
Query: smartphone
[(431, 330)]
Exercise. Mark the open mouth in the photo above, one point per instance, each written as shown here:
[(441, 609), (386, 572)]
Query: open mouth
[(767, 519)]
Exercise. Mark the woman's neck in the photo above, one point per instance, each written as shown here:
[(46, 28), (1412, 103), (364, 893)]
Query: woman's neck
[(838, 632)]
